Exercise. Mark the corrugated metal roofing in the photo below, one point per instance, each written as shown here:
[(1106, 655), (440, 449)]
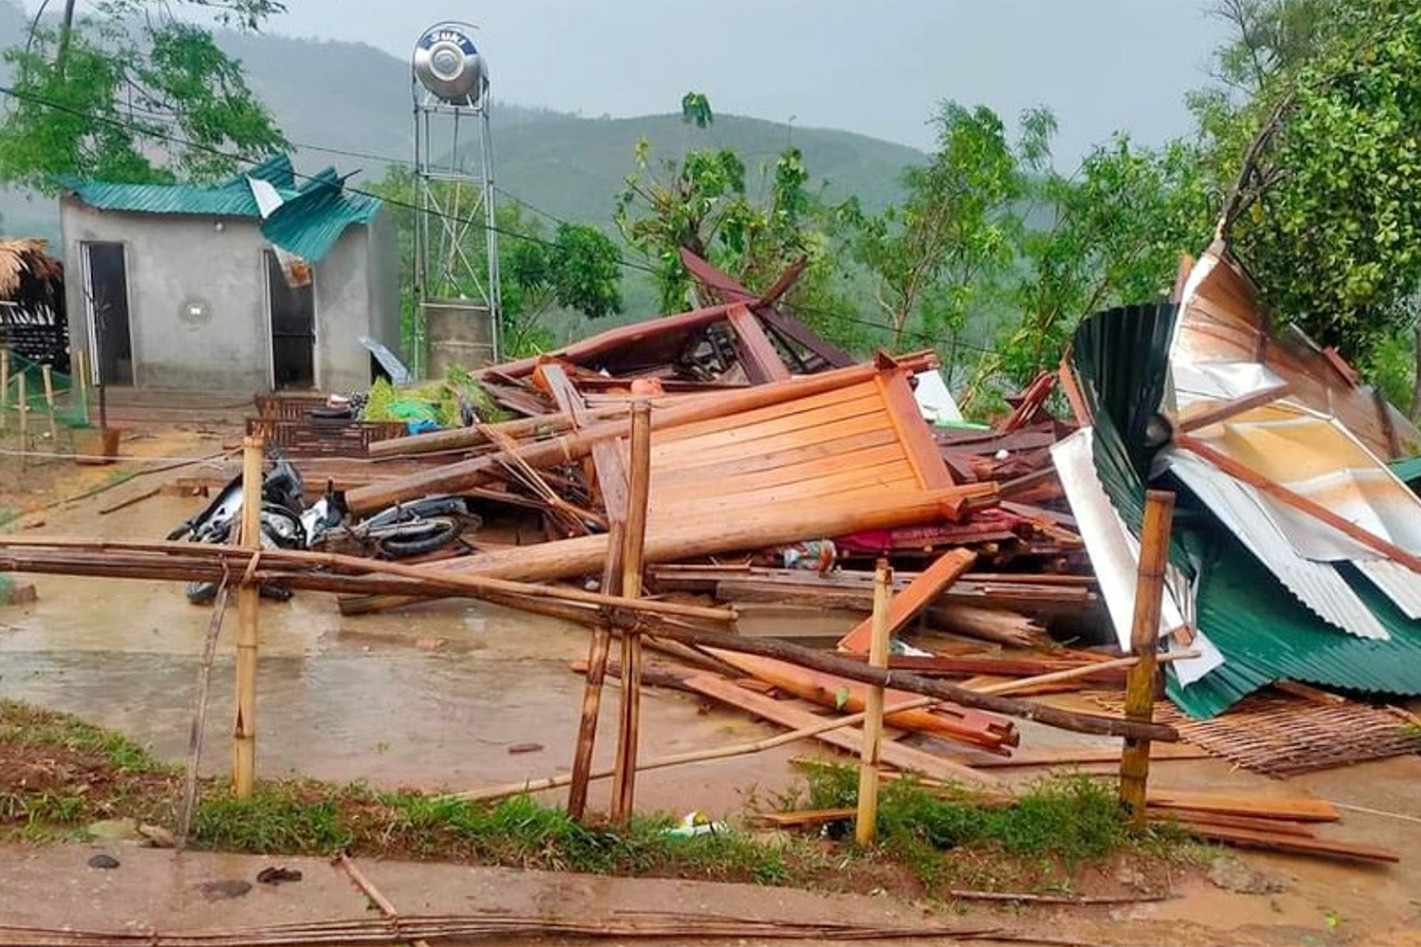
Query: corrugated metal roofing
[(1266, 634), (1241, 608), (1238, 507), (308, 223)]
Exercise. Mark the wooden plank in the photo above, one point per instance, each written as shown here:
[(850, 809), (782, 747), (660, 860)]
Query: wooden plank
[(821, 483), (835, 395), (1222, 411), (740, 448), (913, 431), (608, 459), (1278, 826), (1295, 808), (1069, 756), (907, 604), (673, 480), (802, 423), (851, 741), (713, 471), (758, 355), (796, 331), (1292, 844)]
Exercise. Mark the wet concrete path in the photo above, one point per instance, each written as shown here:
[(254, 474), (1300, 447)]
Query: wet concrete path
[(430, 696)]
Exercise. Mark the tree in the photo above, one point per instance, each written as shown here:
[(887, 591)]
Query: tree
[(577, 269), (934, 256), (1113, 234), (1327, 208), (701, 202), (134, 94)]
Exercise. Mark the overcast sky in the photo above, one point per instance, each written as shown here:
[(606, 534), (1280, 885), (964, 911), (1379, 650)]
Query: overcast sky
[(870, 66)]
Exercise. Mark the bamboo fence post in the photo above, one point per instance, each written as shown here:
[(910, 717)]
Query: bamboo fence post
[(81, 379), (1141, 680), (24, 417), (597, 655), (47, 372), (4, 388), (633, 543), (244, 731), (866, 821)]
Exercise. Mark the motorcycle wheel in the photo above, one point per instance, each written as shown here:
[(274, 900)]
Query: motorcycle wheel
[(416, 539)]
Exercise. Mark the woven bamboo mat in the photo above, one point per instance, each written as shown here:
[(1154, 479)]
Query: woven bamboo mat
[(1279, 735)]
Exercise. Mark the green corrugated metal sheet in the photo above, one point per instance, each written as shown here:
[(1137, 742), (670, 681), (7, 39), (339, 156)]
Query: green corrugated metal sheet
[(1266, 634), (1263, 632), (308, 224)]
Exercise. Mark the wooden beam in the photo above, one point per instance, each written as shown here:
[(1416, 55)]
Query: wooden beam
[(633, 545), (1298, 502), (920, 593), (866, 819), (758, 356), (244, 728), (1227, 409)]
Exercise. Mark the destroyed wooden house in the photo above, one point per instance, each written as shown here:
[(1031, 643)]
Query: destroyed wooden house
[(779, 470)]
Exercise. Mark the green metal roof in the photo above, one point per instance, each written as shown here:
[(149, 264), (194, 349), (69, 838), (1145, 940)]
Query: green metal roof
[(1267, 634), (310, 220), (1263, 631)]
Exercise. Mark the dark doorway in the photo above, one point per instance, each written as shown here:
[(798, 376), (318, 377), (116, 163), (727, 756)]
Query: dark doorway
[(106, 296), (293, 328)]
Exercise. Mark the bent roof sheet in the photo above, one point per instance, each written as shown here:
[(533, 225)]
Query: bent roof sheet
[(309, 222)]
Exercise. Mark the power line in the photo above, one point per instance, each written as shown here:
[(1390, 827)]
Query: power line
[(395, 202)]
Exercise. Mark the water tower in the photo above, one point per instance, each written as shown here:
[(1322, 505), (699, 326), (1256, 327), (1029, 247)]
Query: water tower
[(456, 248)]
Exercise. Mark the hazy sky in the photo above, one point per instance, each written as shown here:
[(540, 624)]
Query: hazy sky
[(871, 66)]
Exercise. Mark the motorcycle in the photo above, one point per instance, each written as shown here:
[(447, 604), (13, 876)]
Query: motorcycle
[(402, 531)]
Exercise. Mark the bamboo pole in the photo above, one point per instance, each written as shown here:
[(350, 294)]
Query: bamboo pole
[(866, 820), (24, 417), (199, 715), (455, 582), (4, 388), (633, 545), (1144, 642), (47, 372), (244, 731), (597, 653)]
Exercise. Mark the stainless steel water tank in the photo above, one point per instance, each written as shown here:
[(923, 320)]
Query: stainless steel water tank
[(449, 66)]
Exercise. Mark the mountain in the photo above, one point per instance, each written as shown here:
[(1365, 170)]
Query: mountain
[(346, 97)]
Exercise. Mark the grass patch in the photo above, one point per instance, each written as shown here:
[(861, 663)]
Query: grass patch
[(958, 837), (26, 726), (59, 774)]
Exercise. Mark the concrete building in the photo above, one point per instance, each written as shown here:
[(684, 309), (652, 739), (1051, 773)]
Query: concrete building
[(259, 284)]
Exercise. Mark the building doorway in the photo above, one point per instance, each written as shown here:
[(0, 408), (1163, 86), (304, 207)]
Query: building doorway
[(293, 327), (105, 274)]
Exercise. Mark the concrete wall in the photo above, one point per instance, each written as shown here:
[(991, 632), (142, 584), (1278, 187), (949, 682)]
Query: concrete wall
[(383, 269), (178, 266)]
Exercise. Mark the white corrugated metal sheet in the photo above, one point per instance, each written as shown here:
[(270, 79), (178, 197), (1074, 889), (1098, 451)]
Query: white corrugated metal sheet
[(1316, 584)]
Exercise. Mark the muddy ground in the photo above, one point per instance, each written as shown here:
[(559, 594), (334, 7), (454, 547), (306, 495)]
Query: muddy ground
[(434, 696)]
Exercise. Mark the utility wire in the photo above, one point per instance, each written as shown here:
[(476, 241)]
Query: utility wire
[(10, 91)]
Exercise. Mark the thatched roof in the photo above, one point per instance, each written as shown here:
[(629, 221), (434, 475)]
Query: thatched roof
[(24, 260)]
